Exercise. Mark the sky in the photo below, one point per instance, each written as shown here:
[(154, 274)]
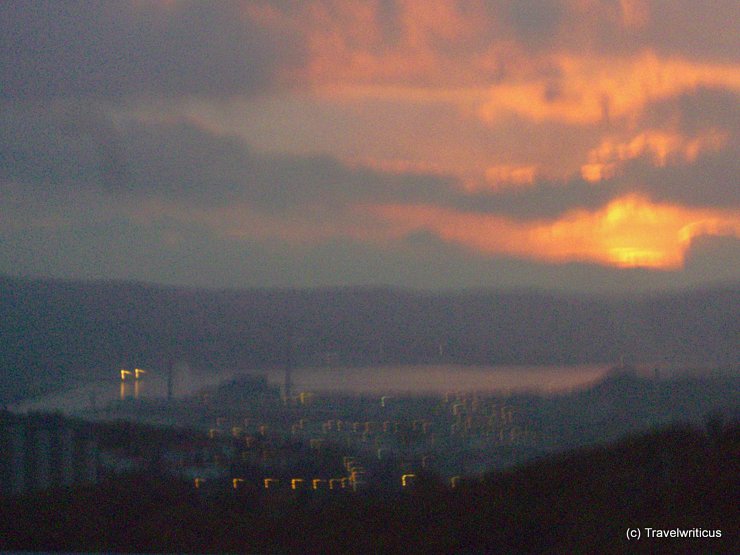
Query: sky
[(575, 145)]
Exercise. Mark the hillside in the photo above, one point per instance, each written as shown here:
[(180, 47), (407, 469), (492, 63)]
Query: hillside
[(580, 502)]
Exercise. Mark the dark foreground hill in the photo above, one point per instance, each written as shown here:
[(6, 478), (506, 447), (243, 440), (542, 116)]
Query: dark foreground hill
[(55, 333), (679, 481)]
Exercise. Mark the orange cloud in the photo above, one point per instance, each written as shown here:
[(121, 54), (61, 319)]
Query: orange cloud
[(630, 231), (635, 13), (468, 85), (503, 176), (592, 89), (355, 43), (454, 51), (444, 45), (661, 146)]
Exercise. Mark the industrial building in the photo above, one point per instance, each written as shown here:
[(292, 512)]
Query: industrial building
[(42, 451)]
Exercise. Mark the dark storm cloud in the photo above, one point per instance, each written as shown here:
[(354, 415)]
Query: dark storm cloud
[(535, 22), (545, 199), (72, 149), (708, 181), (290, 182), (685, 28), (711, 178), (697, 110), (183, 162), (117, 48)]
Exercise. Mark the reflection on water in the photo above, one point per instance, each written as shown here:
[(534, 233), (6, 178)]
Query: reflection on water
[(412, 380), (132, 390), (121, 385), (440, 379)]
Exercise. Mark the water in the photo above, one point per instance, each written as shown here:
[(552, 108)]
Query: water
[(440, 379), (397, 380)]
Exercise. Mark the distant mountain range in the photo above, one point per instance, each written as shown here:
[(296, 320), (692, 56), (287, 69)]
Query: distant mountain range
[(54, 333)]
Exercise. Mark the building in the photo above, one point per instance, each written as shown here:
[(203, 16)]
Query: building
[(42, 451)]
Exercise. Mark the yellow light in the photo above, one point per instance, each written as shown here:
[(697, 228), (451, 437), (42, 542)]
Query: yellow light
[(236, 481), (124, 373), (406, 479), (138, 372)]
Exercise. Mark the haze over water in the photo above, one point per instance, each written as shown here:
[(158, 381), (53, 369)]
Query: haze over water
[(406, 380), (442, 378)]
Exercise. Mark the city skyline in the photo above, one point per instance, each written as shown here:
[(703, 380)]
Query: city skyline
[(569, 145)]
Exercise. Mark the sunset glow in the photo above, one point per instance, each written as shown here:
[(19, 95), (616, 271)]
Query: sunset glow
[(417, 276), (363, 142), (630, 231), (661, 147)]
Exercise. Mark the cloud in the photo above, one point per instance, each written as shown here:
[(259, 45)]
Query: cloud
[(194, 255), (693, 30), (542, 199), (178, 160), (630, 231), (711, 180), (588, 90), (57, 169), (696, 111), (119, 49), (499, 134), (116, 49), (713, 259), (535, 22), (687, 151), (177, 174)]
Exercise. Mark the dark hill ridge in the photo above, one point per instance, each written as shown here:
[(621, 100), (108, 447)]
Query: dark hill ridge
[(624, 403), (53, 332), (682, 478)]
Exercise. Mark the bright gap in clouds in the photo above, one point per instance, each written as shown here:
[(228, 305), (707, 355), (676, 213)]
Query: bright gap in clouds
[(630, 231)]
